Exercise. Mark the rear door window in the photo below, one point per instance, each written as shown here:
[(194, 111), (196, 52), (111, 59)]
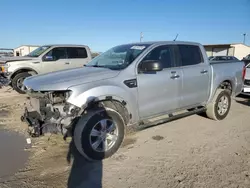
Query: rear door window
[(190, 55), (74, 53)]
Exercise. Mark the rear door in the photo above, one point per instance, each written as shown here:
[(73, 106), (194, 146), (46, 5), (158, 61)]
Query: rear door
[(159, 92), (77, 57), (196, 80)]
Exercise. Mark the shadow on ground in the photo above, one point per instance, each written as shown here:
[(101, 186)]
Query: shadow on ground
[(243, 96), (84, 174), (243, 99), (244, 102)]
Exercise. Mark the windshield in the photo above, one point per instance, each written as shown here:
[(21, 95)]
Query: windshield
[(118, 57), (37, 52)]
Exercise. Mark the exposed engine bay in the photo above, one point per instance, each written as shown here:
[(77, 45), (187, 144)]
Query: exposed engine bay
[(49, 112)]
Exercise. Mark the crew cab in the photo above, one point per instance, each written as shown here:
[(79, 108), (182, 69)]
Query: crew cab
[(45, 59), (140, 84)]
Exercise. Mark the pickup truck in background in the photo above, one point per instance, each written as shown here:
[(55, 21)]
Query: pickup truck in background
[(133, 84), (45, 59)]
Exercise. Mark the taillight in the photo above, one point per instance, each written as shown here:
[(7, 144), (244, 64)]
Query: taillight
[(244, 72)]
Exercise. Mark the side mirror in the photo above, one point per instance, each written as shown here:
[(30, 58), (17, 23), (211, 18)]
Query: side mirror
[(48, 58), (151, 65)]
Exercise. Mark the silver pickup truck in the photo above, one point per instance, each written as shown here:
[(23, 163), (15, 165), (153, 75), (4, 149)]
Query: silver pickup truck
[(47, 58), (133, 84)]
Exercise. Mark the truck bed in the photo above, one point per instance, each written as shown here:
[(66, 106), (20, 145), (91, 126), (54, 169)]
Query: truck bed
[(227, 70)]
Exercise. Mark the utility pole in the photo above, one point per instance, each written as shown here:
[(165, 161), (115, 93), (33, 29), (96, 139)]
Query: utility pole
[(141, 37), (244, 37)]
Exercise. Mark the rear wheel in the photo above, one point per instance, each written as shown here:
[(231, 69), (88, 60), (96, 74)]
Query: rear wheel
[(219, 108), (99, 133), (17, 82)]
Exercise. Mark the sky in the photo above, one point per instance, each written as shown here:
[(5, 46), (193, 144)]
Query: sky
[(102, 24)]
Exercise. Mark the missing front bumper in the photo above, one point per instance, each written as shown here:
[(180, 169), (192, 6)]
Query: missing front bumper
[(36, 127)]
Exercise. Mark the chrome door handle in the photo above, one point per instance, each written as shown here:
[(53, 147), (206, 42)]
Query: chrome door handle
[(175, 77), (203, 71), (67, 63)]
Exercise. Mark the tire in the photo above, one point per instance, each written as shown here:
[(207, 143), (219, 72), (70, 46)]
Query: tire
[(213, 107), (84, 127), (16, 79)]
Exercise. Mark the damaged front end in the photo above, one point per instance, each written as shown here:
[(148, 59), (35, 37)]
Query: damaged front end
[(49, 112)]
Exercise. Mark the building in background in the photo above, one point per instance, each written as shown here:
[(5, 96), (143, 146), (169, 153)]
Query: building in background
[(237, 50), (24, 50)]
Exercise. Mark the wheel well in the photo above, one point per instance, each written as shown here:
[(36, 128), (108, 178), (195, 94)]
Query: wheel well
[(22, 70), (118, 106), (226, 85)]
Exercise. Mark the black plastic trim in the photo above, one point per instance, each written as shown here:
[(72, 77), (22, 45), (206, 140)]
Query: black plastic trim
[(132, 83)]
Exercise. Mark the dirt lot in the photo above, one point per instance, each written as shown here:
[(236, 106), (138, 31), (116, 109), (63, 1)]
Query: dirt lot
[(190, 152)]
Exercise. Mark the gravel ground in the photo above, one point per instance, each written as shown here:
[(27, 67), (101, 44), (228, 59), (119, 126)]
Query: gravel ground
[(190, 152)]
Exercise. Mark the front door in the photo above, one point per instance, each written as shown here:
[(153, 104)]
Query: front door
[(196, 80), (57, 60), (159, 92)]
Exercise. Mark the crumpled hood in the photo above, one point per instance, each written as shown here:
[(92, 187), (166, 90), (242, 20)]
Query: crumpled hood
[(62, 80), (15, 58)]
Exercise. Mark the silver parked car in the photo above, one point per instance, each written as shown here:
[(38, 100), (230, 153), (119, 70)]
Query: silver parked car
[(132, 84)]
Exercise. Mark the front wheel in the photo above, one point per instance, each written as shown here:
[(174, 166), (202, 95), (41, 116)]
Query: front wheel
[(17, 82), (99, 133), (219, 107)]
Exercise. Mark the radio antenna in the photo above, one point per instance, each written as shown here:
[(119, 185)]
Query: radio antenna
[(176, 37)]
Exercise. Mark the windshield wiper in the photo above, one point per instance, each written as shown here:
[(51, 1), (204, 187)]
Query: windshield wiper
[(101, 66)]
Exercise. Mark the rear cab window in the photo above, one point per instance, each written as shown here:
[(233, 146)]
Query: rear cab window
[(77, 52), (190, 55)]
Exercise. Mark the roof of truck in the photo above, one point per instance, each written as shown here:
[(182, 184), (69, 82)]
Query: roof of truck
[(66, 45), (167, 42)]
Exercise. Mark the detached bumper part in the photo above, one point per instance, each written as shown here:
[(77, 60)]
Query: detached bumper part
[(4, 79), (36, 127), (32, 119)]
